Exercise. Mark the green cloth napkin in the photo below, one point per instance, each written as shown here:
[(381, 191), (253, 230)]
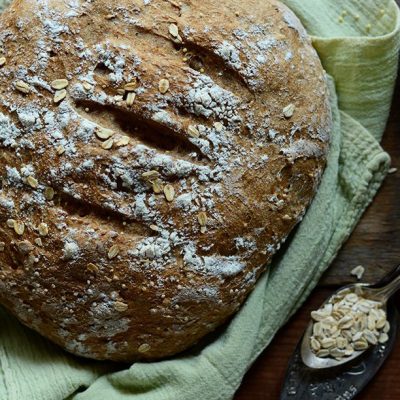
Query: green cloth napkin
[(358, 42)]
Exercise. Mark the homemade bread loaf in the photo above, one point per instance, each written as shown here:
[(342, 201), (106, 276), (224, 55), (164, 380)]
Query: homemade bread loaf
[(154, 156)]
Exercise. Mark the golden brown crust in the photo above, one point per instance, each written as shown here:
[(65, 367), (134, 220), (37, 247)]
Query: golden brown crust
[(227, 103)]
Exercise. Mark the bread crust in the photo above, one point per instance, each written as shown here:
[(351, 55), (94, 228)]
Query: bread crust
[(141, 202)]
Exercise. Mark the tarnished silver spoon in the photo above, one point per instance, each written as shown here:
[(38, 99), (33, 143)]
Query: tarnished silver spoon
[(381, 292)]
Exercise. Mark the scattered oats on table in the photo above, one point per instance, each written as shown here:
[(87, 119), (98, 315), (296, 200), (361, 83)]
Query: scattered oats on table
[(358, 271)]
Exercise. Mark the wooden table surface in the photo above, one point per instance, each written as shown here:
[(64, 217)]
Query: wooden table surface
[(375, 244)]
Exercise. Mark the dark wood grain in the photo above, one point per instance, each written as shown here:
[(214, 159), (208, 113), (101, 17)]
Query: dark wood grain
[(375, 244)]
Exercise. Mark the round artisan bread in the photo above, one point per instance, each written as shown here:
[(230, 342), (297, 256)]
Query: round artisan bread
[(154, 156)]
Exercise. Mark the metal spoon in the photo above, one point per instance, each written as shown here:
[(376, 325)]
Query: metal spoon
[(379, 292)]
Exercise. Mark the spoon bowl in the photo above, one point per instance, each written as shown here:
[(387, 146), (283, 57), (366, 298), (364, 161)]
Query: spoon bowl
[(381, 292)]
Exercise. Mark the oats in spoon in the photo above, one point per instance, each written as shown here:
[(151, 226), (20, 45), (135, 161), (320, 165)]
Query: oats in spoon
[(348, 323)]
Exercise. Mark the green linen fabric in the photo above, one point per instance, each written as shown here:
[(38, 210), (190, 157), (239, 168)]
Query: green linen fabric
[(358, 42)]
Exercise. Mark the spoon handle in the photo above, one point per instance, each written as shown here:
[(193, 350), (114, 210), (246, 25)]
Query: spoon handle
[(387, 279), (389, 285)]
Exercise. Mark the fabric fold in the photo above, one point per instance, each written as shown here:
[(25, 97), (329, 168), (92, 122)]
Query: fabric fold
[(358, 43)]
